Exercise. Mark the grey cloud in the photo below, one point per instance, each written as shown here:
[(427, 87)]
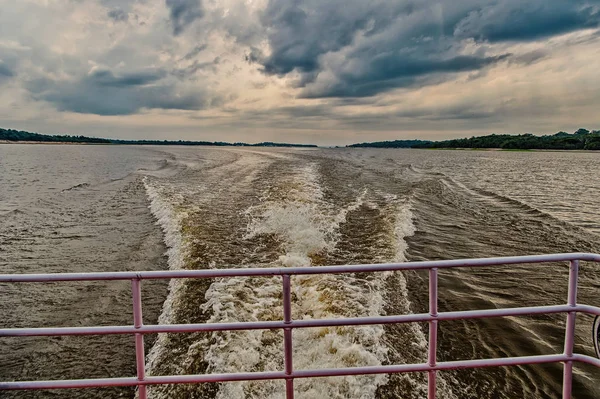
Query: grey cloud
[(517, 20), (183, 12), (390, 71), (118, 15), (5, 71), (103, 93), (103, 77), (10, 59), (254, 56), (301, 31), (347, 48)]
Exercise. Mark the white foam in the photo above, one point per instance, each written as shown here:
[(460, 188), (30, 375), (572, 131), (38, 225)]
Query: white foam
[(168, 203), (162, 206), (306, 226)]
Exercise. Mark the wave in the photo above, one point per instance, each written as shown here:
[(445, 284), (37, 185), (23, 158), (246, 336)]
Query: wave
[(166, 167), (162, 207), (75, 187), (11, 212), (524, 208)]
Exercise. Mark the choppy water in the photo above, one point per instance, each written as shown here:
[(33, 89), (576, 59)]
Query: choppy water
[(93, 208)]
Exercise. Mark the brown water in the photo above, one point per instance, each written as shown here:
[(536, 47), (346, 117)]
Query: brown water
[(266, 207)]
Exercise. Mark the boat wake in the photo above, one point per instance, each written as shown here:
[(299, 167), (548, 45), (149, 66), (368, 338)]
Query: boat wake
[(294, 223)]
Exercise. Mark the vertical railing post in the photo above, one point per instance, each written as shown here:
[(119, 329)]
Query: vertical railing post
[(138, 321), (433, 324), (570, 329), (287, 337)]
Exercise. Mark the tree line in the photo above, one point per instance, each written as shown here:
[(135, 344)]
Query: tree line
[(18, 135), (582, 139), (392, 144)]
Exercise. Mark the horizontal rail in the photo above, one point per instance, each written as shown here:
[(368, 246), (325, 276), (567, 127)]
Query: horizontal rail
[(279, 375), (568, 357), (248, 272), (270, 325)]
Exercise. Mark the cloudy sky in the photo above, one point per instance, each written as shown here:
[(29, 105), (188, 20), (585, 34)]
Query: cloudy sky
[(307, 71)]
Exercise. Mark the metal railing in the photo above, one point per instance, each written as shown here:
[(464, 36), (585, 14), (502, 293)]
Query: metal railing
[(432, 366)]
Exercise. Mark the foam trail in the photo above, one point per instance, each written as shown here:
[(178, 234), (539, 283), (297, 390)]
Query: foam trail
[(306, 226), (175, 203), (295, 214), (162, 206)]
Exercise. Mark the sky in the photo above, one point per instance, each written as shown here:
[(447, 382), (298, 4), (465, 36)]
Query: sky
[(328, 72)]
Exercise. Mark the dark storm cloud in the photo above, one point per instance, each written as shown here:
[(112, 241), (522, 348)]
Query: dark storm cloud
[(103, 77), (390, 71), (517, 20), (104, 93), (183, 12), (348, 48), (118, 15), (5, 71), (301, 31)]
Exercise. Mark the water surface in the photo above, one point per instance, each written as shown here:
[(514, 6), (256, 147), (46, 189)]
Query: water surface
[(224, 207)]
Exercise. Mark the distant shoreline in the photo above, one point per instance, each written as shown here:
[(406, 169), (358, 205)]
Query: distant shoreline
[(11, 136), (47, 142), (266, 145), (582, 140), (504, 149), (292, 146)]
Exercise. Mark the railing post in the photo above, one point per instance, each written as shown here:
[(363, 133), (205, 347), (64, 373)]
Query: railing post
[(570, 329), (287, 337), (140, 357), (433, 311)]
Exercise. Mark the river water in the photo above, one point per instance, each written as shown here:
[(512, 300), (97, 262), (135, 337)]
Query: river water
[(100, 208)]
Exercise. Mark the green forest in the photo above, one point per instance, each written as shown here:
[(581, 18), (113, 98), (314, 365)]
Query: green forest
[(582, 139), (17, 135), (393, 144)]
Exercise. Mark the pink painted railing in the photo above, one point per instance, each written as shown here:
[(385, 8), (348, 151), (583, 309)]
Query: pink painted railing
[(571, 308)]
